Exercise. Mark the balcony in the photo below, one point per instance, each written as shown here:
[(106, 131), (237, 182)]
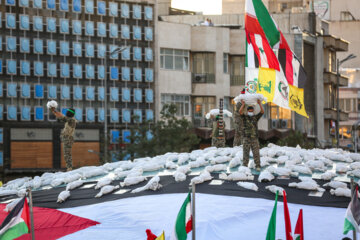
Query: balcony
[(330, 114), (335, 43), (330, 77), (237, 80), (203, 77)]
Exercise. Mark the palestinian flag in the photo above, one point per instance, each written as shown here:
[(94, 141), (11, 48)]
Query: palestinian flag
[(352, 217), (288, 232), (271, 232), (17, 222), (299, 228), (183, 224)]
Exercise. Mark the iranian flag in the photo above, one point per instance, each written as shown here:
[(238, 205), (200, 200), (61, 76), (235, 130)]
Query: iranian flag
[(183, 224), (271, 232), (299, 228), (17, 222), (352, 217)]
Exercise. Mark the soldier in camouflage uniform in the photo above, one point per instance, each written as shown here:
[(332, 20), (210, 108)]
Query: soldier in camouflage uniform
[(251, 140), (215, 142), (67, 134), (239, 126)]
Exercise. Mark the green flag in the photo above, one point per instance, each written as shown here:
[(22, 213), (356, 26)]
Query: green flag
[(271, 232)]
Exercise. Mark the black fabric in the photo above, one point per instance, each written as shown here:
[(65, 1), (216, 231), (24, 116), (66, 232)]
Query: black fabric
[(13, 213), (79, 197)]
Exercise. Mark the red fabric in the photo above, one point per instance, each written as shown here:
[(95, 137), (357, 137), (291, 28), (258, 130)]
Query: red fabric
[(253, 26), (188, 226), (287, 219), (289, 72), (271, 57), (150, 235), (299, 228), (52, 224), (26, 214)]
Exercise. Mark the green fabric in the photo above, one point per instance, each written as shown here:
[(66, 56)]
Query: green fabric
[(71, 111), (348, 226), (15, 232), (271, 232), (180, 225), (266, 22)]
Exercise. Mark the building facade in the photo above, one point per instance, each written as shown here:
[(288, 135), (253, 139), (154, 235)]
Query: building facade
[(68, 51), (219, 53)]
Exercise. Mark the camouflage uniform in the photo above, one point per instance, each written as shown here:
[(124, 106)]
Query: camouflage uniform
[(239, 126), (215, 133), (251, 139), (67, 137)]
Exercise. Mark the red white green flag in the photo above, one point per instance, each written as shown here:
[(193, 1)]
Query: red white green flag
[(183, 224), (17, 222), (352, 217), (299, 228)]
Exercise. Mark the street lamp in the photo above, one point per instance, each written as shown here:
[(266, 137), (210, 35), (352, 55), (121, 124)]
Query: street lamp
[(116, 50), (338, 63)]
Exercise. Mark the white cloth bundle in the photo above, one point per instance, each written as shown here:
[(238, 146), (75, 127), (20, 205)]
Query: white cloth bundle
[(74, 185), (335, 184), (341, 192), (248, 185), (63, 196), (103, 182), (204, 176), (250, 98), (106, 189), (153, 184), (265, 176), (327, 175), (215, 112), (274, 189), (52, 104)]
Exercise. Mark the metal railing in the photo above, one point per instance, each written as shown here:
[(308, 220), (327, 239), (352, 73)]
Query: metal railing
[(237, 80), (203, 77)]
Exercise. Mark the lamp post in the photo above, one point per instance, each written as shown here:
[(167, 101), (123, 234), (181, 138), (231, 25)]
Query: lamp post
[(116, 50), (338, 63)]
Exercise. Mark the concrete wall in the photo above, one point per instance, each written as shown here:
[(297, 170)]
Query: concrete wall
[(350, 31), (237, 42), (285, 21), (336, 7)]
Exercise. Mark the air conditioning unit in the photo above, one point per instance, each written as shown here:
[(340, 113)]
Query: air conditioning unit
[(200, 78), (283, 123), (274, 123)]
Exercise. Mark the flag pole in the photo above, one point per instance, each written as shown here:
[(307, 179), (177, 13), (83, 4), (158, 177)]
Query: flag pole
[(352, 185), (31, 214), (193, 211)]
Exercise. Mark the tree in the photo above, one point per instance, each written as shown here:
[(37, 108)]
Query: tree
[(169, 134), (296, 138)]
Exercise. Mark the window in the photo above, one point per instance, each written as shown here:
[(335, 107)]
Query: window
[(204, 63), (182, 103), (282, 114), (203, 105), (332, 61), (237, 65), (347, 105), (226, 62), (346, 16), (174, 59)]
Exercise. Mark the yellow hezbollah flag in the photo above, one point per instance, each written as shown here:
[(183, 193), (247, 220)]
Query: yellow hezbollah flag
[(296, 100), (266, 83), (161, 237)]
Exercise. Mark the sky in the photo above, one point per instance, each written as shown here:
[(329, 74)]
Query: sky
[(209, 7)]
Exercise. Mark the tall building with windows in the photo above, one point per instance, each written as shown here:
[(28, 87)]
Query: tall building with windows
[(68, 51)]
